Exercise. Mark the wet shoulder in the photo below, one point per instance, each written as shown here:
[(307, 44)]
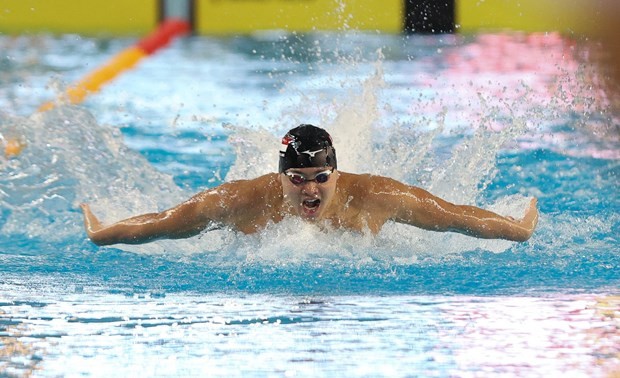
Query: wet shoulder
[(365, 185), (243, 204), (265, 187)]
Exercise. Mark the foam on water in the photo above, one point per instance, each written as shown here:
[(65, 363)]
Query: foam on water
[(70, 159)]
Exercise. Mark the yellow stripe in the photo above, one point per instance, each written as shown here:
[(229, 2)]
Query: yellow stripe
[(525, 15), (127, 17), (235, 16), (108, 17)]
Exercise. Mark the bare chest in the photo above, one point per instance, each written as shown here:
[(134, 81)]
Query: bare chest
[(254, 221), (356, 219)]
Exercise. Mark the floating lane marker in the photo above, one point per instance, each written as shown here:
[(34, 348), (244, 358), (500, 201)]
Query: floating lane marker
[(126, 59), (123, 61)]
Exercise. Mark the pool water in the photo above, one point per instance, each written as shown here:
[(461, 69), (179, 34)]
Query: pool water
[(490, 120)]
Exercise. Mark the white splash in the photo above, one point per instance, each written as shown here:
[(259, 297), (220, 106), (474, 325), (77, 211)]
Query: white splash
[(72, 159)]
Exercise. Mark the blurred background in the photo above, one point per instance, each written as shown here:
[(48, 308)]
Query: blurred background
[(579, 19)]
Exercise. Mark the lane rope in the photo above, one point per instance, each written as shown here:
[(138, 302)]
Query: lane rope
[(126, 59), (92, 83)]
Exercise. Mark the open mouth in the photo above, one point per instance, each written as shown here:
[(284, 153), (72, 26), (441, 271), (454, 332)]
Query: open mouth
[(312, 203), (311, 206)]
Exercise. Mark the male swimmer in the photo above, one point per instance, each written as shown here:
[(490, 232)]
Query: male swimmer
[(310, 186)]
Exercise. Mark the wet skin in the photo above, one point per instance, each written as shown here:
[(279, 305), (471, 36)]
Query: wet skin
[(355, 202)]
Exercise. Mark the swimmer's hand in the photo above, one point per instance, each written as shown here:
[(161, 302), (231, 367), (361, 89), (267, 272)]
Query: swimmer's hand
[(182, 221), (91, 223), (530, 220), (528, 223), (129, 231)]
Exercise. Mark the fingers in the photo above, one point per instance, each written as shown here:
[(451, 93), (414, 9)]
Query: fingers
[(530, 211), (533, 209), (90, 220), (535, 218), (528, 223), (531, 216)]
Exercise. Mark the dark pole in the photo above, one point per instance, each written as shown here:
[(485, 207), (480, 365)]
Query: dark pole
[(429, 16), (178, 9)]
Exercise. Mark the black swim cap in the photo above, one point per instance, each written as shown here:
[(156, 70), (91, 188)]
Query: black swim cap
[(307, 146)]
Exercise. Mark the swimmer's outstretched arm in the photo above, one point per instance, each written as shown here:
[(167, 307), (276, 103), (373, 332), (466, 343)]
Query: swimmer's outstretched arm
[(233, 204), (419, 208), (182, 221)]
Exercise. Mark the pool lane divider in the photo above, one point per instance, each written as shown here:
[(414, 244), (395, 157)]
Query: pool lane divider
[(126, 59)]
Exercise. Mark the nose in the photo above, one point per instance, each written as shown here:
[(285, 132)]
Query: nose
[(310, 188)]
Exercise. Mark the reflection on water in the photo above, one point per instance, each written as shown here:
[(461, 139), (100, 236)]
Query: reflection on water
[(231, 335), (571, 336), (19, 356)]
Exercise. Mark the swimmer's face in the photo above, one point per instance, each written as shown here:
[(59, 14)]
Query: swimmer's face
[(309, 191)]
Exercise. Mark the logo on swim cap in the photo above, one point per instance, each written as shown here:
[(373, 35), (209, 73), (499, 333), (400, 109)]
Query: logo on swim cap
[(307, 146), (311, 153)]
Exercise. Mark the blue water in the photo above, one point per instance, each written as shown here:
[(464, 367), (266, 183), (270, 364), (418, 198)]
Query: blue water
[(488, 120)]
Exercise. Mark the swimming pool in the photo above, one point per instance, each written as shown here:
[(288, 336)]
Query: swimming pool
[(489, 119)]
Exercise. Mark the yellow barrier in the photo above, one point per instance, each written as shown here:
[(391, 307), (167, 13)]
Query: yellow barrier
[(234, 16), (565, 16), (108, 17), (218, 17)]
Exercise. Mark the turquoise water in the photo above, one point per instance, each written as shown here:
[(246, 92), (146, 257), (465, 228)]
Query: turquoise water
[(488, 120)]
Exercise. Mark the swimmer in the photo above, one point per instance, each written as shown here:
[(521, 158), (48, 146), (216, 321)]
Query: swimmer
[(310, 186)]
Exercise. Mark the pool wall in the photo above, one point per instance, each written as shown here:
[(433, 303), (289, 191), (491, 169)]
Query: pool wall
[(221, 17)]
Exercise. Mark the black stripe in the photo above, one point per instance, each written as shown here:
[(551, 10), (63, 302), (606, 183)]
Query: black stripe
[(161, 13), (191, 14), (429, 16)]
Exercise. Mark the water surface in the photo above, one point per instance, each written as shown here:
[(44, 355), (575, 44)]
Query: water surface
[(489, 120)]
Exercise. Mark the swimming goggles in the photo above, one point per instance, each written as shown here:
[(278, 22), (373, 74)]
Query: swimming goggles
[(298, 178)]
